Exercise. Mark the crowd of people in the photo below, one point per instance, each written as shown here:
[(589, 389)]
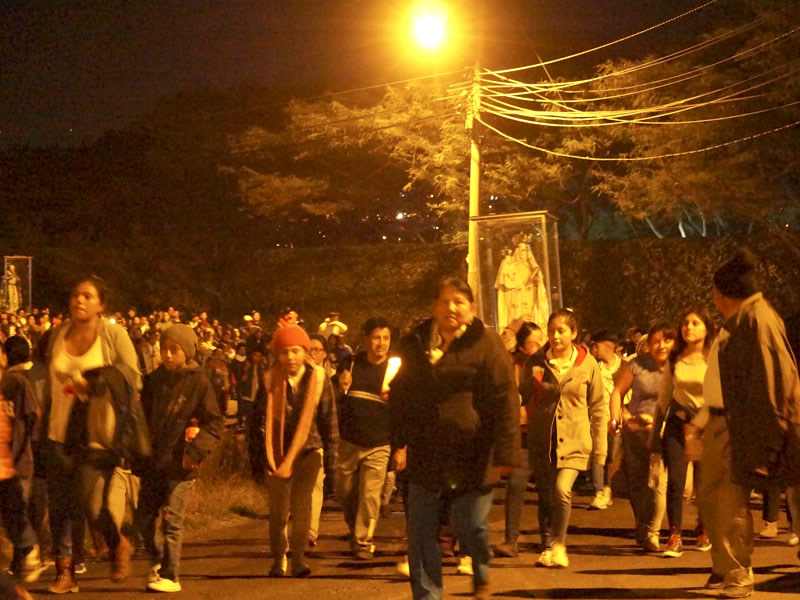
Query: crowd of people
[(107, 416)]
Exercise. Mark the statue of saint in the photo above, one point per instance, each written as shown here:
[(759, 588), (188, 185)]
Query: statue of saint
[(520, 285), (13, 289)]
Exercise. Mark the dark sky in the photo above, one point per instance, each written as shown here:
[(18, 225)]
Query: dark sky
[(72, 69)]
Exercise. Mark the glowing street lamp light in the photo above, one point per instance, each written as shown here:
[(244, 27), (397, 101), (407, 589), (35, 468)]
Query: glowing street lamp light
[(429, 24)]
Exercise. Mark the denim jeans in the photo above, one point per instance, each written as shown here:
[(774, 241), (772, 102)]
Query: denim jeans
[(469, 517), (13, 498), (159, 491), (94, 480), (646, 484), (554, 486), (67, 523)]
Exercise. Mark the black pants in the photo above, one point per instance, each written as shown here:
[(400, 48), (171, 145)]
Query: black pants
[(673, 444)]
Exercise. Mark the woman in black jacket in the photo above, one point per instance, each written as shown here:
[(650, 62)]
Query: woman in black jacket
[(455, 415)]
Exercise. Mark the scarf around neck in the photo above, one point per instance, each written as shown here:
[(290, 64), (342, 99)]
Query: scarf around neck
[(276, 380)]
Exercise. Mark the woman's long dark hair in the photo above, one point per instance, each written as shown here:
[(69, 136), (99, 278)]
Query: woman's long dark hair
[(680, 343), (525, 330)]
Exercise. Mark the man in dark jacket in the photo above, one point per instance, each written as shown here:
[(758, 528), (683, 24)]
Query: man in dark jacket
[(752, 434), (455, 417), (185, 424)]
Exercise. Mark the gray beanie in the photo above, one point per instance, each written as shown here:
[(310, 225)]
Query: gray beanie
[(184, 336)]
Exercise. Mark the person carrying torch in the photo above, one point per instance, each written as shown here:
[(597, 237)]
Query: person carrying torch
[(364, 432)]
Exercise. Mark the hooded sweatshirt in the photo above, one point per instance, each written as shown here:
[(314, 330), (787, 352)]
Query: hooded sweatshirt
[(170, 400)]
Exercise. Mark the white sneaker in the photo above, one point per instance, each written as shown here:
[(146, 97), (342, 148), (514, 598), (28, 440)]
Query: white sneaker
[(545, 558), (403, 569), (792, 539), (464, 565), (560, 559), (152, 573), (770, 530), (162, 584), (33, 566), (609, 495), (599, 501)]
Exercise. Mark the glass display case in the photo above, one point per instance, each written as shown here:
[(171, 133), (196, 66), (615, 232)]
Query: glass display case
[(17, 283), (519, 268)]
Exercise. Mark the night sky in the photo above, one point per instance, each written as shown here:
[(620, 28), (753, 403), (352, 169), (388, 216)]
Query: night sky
[(72, 69)]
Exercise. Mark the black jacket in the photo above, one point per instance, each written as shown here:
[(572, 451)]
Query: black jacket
[(170, 400), (460, 417)]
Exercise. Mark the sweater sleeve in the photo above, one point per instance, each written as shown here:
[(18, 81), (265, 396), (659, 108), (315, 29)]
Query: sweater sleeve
[(597, 400), (125, 355), (209, 419)]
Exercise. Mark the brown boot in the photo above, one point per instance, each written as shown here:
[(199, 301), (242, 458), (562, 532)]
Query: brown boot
[(121, 557), (65, 577)]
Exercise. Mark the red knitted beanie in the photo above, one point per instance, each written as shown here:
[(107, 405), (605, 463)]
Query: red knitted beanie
[(290, 335)]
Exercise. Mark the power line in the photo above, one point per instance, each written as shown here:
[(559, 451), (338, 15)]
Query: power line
[(620, 40), (636, 158)]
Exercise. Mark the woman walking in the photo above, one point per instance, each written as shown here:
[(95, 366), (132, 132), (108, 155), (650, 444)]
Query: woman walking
[(83, 440), (680, 399), (643, 377), (567, 421)]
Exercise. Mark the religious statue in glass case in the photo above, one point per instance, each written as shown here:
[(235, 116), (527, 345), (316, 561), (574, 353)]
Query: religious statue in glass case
[(520, 286)]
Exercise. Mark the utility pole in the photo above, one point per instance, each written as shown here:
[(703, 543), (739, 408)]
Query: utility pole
[(473, 262)]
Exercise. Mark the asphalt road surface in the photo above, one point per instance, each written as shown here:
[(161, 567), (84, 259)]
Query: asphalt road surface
[(232, 562)]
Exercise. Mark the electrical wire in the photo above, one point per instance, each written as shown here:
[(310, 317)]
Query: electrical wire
[(618, 41), (666, 82), (502, 82), (636, 158), (536, 89), (536, 117), (682, 122)]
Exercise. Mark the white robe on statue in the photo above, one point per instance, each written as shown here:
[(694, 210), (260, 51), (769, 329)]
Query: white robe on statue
[(521, 289)]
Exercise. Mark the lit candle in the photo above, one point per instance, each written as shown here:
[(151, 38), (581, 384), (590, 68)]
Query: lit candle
[(391, 370)]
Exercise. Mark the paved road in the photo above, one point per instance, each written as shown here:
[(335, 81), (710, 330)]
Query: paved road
[(233, 562)]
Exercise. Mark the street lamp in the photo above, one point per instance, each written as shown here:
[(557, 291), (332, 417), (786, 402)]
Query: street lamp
[(429, 24), (429, 27)]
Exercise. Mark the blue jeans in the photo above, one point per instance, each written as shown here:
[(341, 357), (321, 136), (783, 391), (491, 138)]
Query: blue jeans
[(67, 523), (14, 494), (554, 486), (160, 491), (469, 517)]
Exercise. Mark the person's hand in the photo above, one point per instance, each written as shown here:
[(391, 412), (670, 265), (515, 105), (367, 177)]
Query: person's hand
[(284, 470), (612, 426), (504, 471), (399, 459), (509, 339), (693, 442), (80, 384), (345, 380)]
